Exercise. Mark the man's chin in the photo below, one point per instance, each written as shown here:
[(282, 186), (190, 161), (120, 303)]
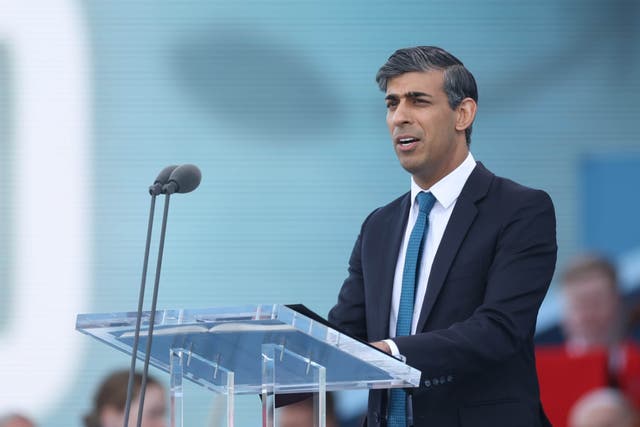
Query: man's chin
[(410, 167)]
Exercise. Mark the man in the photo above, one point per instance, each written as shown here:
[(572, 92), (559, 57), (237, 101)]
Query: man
[(595, 352), (483, 264), (110, 398), (592, 316), (605, 407)]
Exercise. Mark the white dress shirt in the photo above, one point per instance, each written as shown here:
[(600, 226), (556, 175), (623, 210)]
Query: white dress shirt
[(446, 192)]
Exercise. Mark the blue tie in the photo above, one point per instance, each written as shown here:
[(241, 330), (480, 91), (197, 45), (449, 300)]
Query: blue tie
[(397, 413)]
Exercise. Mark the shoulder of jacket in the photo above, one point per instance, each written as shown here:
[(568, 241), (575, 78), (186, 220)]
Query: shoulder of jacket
[(391, 209)]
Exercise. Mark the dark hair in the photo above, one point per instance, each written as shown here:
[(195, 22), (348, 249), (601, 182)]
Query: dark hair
[(113, 392), (587, 265), (458, 81)]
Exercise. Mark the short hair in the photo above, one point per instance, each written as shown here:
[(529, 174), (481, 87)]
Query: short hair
[(113, 392), (459, 83), (587, 265)]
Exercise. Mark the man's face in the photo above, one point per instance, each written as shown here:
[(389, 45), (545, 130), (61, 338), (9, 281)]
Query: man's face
[(300, 414), (591, 308), (423, 126), (155, 408)]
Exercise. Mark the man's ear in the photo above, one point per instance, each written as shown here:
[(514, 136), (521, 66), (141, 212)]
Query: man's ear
[(466, 113)]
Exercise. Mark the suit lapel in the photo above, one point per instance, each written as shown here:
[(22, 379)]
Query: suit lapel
[(462, 217), (390, 240)]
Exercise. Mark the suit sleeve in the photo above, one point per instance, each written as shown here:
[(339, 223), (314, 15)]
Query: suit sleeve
[(517, 280), (349, 312)]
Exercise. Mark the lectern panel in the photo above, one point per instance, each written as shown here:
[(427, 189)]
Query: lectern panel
[(232, 339)]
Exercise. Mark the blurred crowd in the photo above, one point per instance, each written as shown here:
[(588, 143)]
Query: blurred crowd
[(109, 401), (589, 366)]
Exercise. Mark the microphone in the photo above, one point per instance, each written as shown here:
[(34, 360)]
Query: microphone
[(183, 179), (154, 190), (161, 180)]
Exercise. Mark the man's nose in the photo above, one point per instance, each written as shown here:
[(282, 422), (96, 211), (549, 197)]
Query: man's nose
[(401, 114)]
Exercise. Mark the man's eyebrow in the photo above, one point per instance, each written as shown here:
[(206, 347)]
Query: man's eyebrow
[(413, 94), (417, 95)]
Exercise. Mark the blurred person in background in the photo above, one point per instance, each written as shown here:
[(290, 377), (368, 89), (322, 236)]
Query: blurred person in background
[(111, 396), (596, 320), (605, 407), (592, 318), (596, 351), (300, 414), (16, 420)]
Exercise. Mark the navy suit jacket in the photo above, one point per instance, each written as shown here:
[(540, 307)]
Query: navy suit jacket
[(474, 340)]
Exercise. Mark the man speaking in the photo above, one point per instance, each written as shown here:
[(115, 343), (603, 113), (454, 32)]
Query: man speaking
[(451, 274)]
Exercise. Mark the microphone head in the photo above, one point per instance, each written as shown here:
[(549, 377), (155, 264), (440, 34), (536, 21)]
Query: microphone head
[(164, 174), (183, 179), (161, 180)]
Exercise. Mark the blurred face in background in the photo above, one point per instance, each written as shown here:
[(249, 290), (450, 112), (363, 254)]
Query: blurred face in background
[(591, 311), (603, 408), (17, 421), (602, 416), (301, 415), (154, 412)]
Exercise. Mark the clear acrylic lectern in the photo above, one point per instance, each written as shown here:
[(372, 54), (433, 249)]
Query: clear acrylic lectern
[(257, 349)]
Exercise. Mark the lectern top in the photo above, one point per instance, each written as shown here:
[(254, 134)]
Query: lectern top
[(214, 341)]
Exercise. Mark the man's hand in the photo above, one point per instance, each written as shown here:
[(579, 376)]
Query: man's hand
[(381, 345)]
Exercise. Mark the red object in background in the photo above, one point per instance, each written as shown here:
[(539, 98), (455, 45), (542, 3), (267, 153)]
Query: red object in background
[(564, 378), (629, 372)]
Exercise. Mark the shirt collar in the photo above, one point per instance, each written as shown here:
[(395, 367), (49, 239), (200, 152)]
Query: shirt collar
[(447, 190)]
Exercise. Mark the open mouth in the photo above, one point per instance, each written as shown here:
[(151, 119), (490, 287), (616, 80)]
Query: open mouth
[(407, 141)]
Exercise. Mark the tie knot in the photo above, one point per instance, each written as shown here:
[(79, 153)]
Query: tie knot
[(425, 201)]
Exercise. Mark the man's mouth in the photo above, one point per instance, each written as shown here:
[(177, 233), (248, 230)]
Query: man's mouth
[(406, 141)]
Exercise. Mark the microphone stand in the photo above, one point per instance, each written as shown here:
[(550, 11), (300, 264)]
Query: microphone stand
[(147, 355), (181, 179), (136, 337)]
